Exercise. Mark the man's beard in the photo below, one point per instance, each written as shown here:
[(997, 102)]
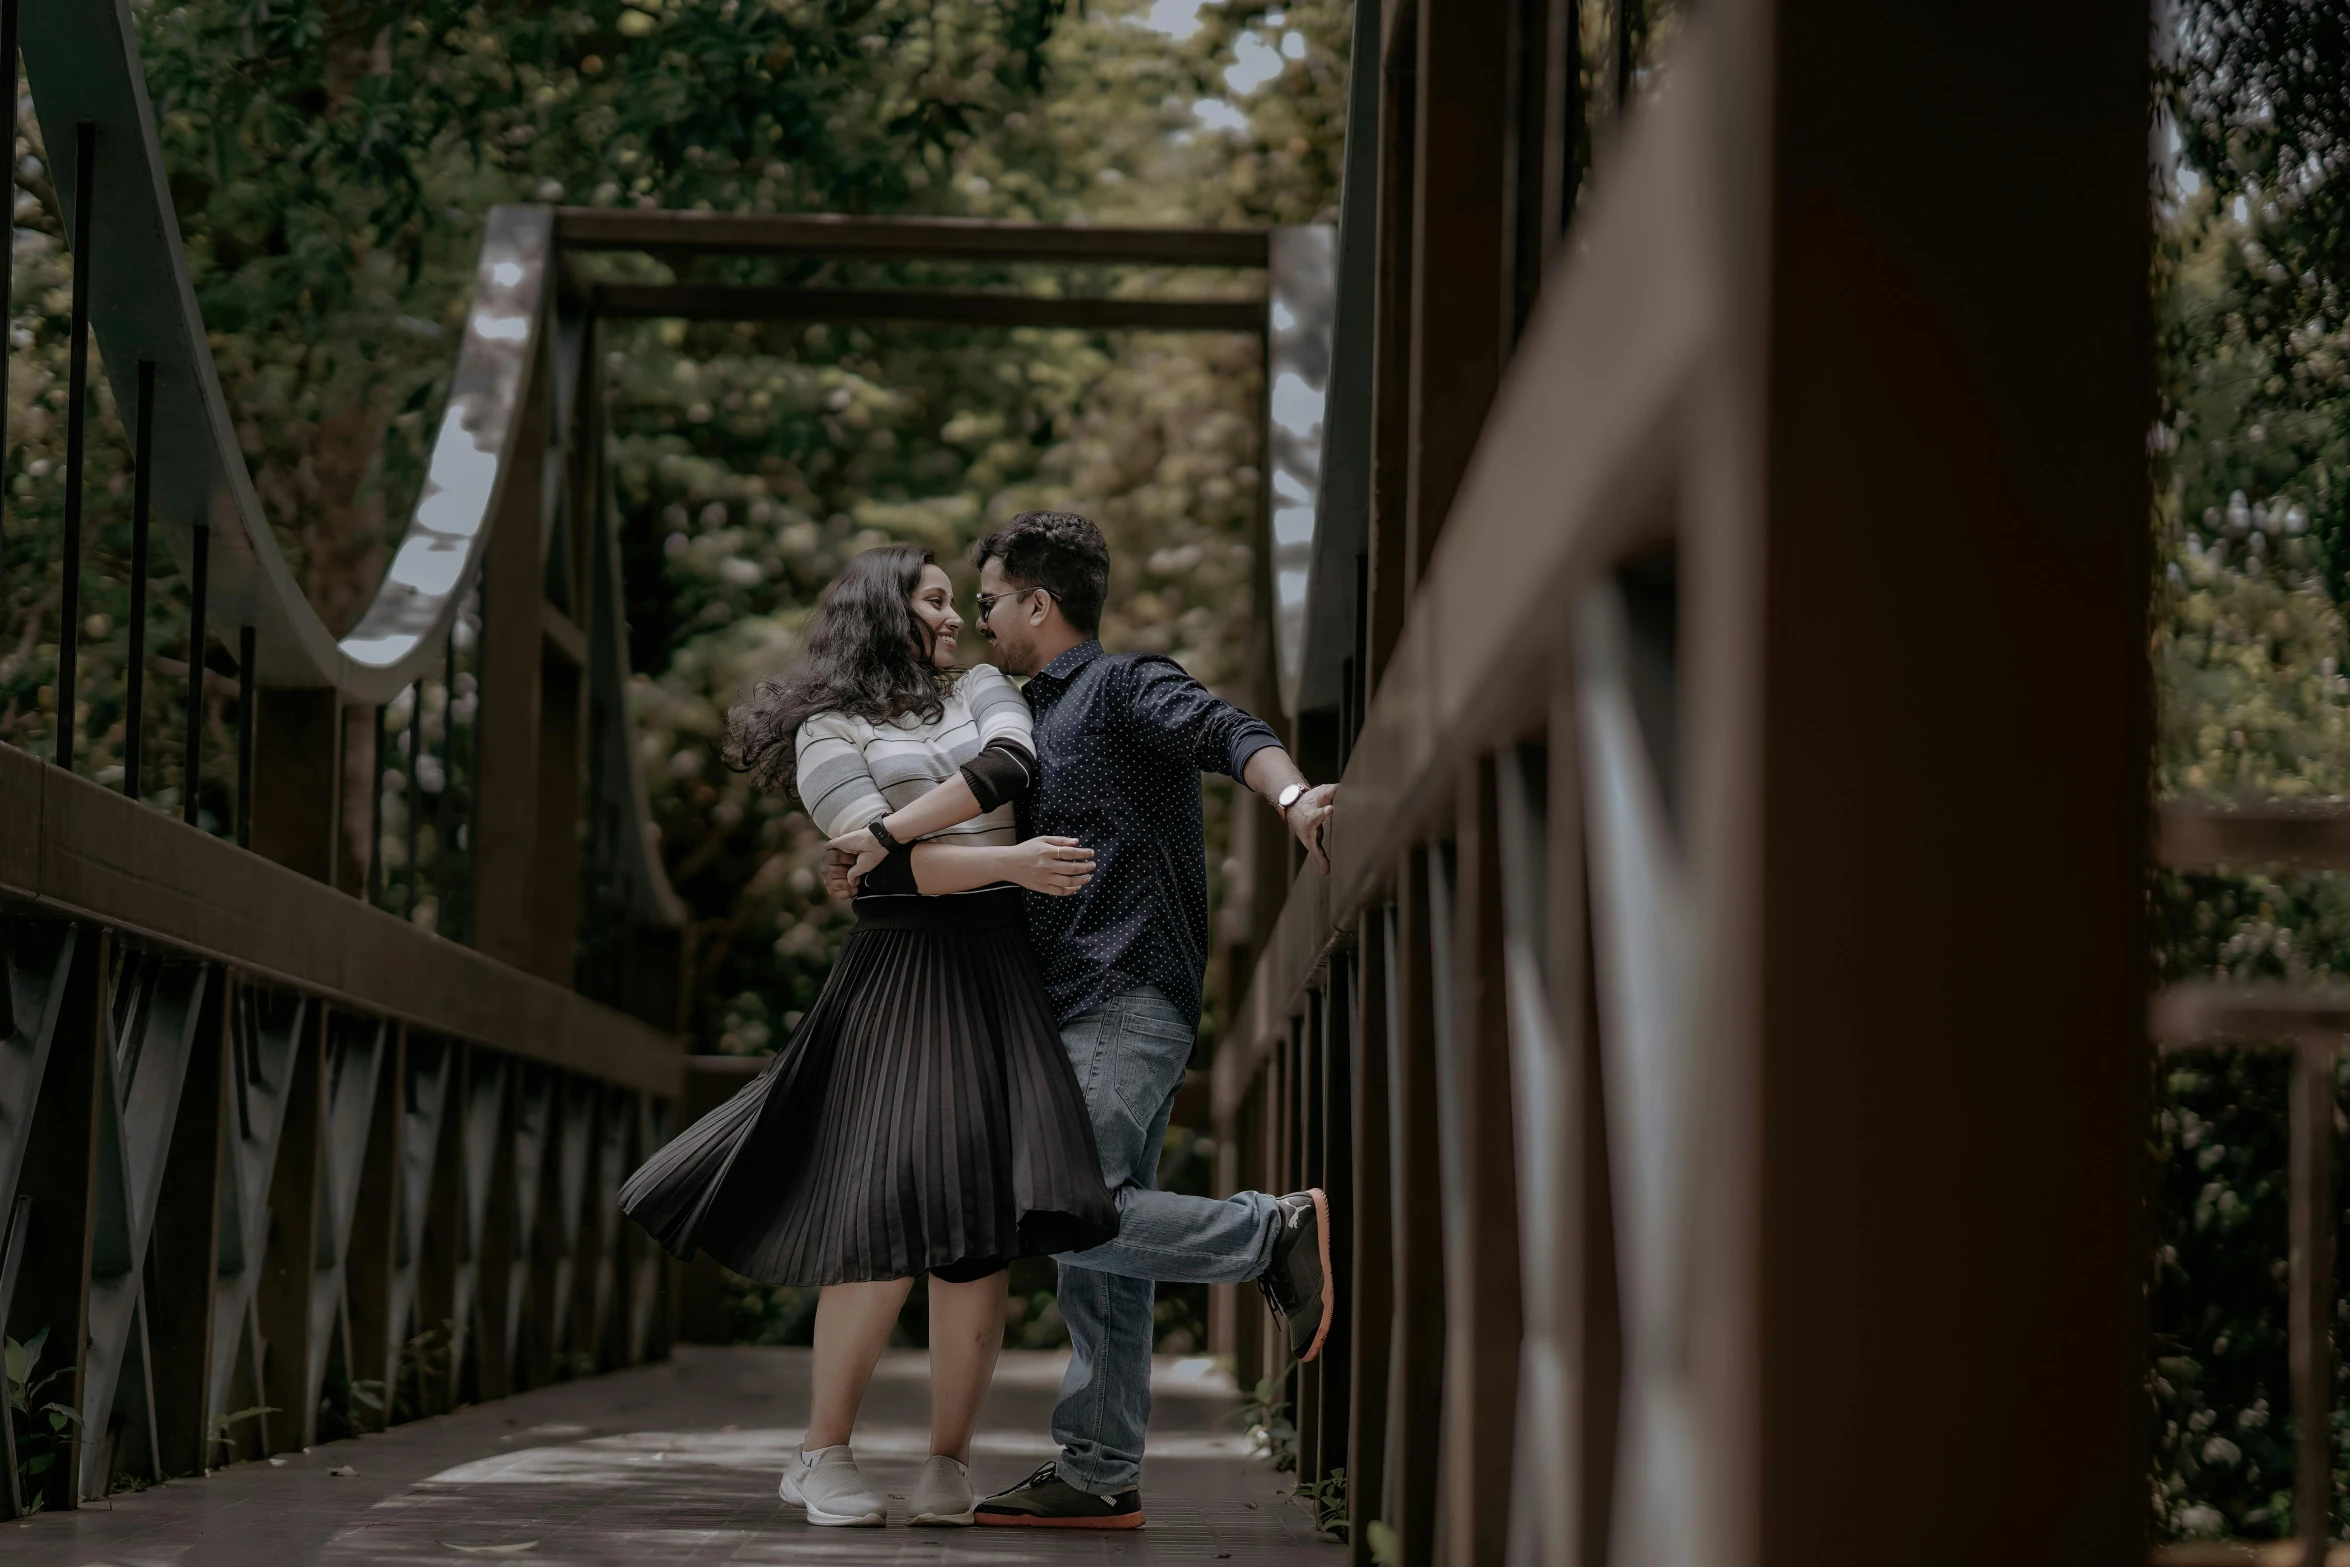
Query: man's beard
[(1013, 656)]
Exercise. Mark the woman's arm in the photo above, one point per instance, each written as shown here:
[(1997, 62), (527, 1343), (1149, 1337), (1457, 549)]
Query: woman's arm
[(834, 784), (1058, 866), (1004, 770)]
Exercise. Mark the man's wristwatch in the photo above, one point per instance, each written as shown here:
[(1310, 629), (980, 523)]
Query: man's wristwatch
[(1287, 798)]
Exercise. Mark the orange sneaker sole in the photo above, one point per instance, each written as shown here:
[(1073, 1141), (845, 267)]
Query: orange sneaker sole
[(1329, 1281), (1020, 1521)]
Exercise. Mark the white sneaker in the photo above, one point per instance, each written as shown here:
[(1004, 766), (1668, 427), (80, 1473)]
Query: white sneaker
[(827, 1484), (943, 1495)]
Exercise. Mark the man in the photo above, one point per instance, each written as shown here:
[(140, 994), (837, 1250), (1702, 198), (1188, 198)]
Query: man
[(1122, 740)]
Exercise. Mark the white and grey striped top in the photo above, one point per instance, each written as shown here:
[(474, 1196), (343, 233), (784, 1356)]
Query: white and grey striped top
[(852, 771)]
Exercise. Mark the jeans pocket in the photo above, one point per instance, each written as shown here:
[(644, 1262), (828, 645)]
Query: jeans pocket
[(1148, 1056)]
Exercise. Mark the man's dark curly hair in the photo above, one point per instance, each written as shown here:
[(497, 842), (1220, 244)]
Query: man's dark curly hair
[(868, 656), (1058, 551)]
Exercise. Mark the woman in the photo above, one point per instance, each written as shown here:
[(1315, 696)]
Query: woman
[(923, 1118)]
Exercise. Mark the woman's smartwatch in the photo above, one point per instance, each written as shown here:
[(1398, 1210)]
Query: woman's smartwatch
[(881, 835)]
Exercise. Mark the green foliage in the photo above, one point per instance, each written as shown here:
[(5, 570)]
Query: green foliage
[(348, 1406), (767, 1313), (424, 1361), (1327, 1498), (223, 1436), (2250, 453), (2259, 94), (1386, 1548), (44, 1429), (2224, 1447), (1264, 1416)]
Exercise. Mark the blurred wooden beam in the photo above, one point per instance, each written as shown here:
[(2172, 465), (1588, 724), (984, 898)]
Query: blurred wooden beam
[(931, 307), (2311, 836), (934, 239)]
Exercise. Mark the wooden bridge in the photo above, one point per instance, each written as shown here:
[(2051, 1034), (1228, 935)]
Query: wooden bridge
[(1725, 1032)]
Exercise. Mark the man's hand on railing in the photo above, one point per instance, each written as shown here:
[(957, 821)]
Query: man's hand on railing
[(1309, 817)]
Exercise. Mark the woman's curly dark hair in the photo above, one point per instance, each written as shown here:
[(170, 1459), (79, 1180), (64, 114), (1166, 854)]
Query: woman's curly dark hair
[(868, 655)]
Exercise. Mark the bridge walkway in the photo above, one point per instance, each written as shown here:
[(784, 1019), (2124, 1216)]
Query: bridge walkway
[(675, 1463)]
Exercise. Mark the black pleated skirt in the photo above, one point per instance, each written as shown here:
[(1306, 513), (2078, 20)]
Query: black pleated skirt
[(923, 1115)]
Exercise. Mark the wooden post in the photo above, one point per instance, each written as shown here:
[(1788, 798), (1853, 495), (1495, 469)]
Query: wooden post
[(554, 931), (1388, 576), (1483, 1318), (1335, 1376), (1930, 1133), (508, 733), (1372, 1250), (1416, 1368), (1462, 313), (298, 779)]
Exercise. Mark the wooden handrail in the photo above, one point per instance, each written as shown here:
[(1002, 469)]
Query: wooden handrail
[(78, 849), (1577, 438)]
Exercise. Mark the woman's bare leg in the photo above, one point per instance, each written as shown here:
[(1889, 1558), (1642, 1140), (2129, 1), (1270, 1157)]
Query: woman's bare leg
[(852, 1329), (966, 1333)]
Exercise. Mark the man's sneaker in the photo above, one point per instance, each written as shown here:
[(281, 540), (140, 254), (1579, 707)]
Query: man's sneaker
[(1298, 1285), (943, 1495), (1046, 1501), (827, 1484)]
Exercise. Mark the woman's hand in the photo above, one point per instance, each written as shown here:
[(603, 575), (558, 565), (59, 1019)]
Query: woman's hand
[(836, 873), (1056, 867), (864, 852)]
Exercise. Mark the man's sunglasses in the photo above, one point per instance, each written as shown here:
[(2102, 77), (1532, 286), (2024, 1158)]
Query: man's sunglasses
[(988, 601)]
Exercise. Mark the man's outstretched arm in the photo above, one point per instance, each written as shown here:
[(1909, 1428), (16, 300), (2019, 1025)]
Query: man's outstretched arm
[(1183, 717)]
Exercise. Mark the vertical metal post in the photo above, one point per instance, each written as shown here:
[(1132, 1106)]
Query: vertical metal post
[(142, 495), (440, 804), (247, 676), (413, 794), (77, 420), (2311, 1310), (375, 819), (8, 267), (199, 583)]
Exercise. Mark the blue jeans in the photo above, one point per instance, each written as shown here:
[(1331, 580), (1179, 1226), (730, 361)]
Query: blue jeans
[(1130, 1056)]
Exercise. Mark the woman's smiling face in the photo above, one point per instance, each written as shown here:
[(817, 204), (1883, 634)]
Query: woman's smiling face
[(934, 606)]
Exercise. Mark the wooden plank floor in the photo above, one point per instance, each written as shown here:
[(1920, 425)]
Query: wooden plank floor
[(677, 1463)]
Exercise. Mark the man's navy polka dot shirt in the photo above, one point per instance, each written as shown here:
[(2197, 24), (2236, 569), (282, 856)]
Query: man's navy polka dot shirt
[(1123, 739)]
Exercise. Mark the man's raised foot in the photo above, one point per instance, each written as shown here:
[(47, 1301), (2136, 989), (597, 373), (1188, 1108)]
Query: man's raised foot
[(1298, 1285)]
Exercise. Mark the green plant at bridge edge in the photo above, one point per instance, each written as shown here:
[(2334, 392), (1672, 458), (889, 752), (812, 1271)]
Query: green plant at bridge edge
[(1327, 1498), (37, 1448), (1264, 1415), (224, 1426)]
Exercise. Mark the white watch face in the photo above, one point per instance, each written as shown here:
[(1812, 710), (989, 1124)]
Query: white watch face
[(1290, 794)]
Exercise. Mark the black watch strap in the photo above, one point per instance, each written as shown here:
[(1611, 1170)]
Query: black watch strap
[(881, 835)]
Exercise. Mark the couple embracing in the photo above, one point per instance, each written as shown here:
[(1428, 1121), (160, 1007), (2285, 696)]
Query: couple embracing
[(989, 1070)]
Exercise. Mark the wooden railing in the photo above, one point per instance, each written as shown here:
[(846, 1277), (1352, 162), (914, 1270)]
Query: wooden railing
[(1723, 1175), (274, 1161)]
